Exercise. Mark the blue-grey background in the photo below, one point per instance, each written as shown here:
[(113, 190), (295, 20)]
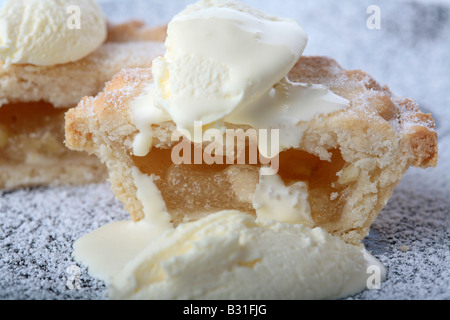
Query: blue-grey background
[(410, 53)]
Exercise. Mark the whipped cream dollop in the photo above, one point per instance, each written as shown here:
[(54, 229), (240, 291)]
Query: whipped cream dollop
[(49, 32), (228, 254), (226, 62), (211, 69)]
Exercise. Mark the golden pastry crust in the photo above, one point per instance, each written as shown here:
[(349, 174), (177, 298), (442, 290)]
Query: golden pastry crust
[(352, 159), (135, 30), (33, 100)]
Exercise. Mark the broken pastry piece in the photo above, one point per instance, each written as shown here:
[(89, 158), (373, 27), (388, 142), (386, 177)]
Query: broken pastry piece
[(350, 160), (34, 99)]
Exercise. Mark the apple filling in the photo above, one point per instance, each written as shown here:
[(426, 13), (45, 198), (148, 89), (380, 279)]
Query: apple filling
[(31, 129), (191, 191)]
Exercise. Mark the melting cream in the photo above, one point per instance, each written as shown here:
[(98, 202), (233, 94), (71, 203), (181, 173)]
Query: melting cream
[(273, 200), (210, 69), (226, 62), (229, 255), (108, 249), (288, 106), (153, 204), (145, 113)]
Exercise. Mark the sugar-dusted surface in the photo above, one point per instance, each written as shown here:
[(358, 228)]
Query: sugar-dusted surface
[(411, 235)]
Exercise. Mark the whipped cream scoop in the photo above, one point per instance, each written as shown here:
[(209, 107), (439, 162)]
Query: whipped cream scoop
[(221, 56), (49, 32), (226, 62), (228, 255)]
